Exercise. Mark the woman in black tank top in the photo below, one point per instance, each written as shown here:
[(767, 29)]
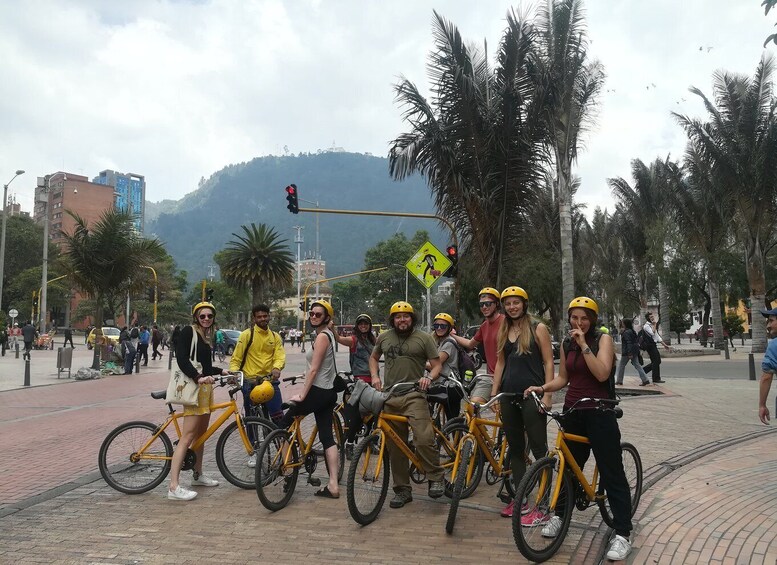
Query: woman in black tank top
[(524, 359)]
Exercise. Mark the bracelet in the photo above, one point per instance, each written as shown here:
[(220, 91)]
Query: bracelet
[(542, 388)]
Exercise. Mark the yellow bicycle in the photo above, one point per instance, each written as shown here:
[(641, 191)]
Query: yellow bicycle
[(552, 500), (135, 457)]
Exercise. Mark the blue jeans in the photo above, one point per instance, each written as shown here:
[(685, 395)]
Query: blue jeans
[(622, 368), (129, 361)]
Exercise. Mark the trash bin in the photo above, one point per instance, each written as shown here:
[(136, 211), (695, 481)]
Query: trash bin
[(64, 360)]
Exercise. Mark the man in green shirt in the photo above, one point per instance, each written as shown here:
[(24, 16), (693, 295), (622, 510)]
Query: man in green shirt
[(406, 351)]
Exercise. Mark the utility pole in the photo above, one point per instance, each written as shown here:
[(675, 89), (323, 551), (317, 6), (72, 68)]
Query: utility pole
[(298, 239)]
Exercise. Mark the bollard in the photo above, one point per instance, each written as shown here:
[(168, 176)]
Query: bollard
[(725, 348), (17, 349), (27, 371), (751, 363), (170, 360), (137, 361)]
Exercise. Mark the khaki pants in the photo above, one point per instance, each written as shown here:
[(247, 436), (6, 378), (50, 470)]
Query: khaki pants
[(414, 406)]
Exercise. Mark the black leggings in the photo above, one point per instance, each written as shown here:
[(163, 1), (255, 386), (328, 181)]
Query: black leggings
[(321, 402), (520, 416), (601, 429)]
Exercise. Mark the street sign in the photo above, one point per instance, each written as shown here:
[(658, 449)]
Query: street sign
[(13, 312), (428, 264)]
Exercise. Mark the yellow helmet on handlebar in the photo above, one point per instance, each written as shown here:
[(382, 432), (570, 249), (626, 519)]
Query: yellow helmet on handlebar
[(262, 393)]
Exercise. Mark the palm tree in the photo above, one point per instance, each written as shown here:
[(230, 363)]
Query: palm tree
[(479, 142), (702, 207), (257, 260), (103, 259), (570, 84), (642, 221), (740, 141)]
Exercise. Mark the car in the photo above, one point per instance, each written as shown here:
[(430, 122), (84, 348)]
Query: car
[(709, 333), (110, 332), (230, 340)]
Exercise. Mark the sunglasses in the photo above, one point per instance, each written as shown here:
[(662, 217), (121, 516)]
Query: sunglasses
[(316, 314), (205, 316), (487, 303), (440, 326)]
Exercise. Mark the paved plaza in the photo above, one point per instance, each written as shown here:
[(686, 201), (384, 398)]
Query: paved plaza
[(709, 494)]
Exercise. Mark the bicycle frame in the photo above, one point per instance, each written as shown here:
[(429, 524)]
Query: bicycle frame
[(565, 458), (478, 431), (230, 408), (295, 431)]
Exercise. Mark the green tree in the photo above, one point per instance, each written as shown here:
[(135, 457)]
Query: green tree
[(740, 139), (258, 260), (102, 259), (570, 83), (478, 142)]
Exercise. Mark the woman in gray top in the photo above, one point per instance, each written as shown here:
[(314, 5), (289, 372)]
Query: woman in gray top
[(319, 396)]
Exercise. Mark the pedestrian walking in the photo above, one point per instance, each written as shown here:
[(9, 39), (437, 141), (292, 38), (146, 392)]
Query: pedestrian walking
[(629, 353), (144, 338), (68, 337), (29, 333), (128, 350), (653, 339), (156, 340)]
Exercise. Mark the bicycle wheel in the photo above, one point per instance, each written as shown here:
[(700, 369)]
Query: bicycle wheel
[(632, 464), (274, 480), (233, 458), (368, 480), (540, 532), (128, 470), (466, 448), (448, 445)]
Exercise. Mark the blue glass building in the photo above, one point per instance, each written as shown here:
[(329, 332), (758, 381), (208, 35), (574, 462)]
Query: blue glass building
[(129, 192)]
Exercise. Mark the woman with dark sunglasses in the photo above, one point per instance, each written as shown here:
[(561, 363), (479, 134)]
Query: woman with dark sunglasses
[(318, 395), (196, 418)]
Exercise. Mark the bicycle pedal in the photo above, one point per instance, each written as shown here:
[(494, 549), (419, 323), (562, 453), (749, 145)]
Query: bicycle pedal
[(506, 499), (314, 481)]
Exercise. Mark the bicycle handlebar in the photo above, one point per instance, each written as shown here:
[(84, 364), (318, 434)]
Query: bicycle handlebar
[(604, 404), (293, 380)]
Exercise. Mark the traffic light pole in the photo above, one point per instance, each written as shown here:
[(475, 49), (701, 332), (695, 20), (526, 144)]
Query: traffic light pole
[(456, 290)]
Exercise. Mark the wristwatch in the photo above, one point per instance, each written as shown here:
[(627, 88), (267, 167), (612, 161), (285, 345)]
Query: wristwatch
[(586, 351)]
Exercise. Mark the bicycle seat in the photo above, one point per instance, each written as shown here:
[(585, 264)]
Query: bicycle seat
[(159, 394)]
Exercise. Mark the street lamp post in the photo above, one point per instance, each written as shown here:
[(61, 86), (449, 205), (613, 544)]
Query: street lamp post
[(46, 185), (2, 237)]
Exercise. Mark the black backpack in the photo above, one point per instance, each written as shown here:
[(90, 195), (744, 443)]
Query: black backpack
[(465, 362), (134, 333), (643, 339), (567, 345)]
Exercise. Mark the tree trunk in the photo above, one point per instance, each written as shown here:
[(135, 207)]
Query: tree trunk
[(567, 256), (757, 282), (717, 322), (256, 293), (98, 332), (663, 306)]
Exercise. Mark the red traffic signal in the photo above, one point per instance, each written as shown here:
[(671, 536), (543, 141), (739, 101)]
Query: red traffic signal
[(292, 198), (453, 252), (453, 257)]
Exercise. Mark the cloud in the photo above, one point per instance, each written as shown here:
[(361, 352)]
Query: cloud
[(175, 90)]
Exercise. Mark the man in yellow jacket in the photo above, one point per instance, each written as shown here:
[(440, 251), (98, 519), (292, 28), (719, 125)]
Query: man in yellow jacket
[(259, 354)]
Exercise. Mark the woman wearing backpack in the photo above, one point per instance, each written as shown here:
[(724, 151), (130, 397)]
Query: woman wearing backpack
[(629, 352), (524, 359), (586, 365), (360, 346)]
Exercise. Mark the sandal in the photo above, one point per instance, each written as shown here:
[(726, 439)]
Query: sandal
[(324, 493)]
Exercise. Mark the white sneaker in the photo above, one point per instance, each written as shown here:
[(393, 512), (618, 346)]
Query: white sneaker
[(204, 480), (251, 461), (552, 528), (181, 493), (619, 548)]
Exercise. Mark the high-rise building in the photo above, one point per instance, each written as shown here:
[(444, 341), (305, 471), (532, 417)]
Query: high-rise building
[(130, 192)]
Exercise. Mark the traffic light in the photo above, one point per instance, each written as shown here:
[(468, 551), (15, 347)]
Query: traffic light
[(209, 295), (292, 198), (453, 257), (150, 294)]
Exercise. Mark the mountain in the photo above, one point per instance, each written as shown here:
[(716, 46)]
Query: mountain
[(200, 224)]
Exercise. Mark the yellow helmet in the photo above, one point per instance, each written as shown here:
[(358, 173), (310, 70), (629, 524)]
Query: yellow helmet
[(443, 316), (584, 302), (401, 307), (514, 291), (262, 393), (488, 290), (200, 305), (325, 305)]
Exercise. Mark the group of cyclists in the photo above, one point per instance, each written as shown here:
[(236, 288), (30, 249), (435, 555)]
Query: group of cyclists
[(519, 357)]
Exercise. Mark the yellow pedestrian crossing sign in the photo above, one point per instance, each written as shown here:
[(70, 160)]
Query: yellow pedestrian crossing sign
[(428, 264)]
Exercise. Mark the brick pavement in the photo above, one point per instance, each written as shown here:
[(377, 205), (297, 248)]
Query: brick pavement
[(116, 528)]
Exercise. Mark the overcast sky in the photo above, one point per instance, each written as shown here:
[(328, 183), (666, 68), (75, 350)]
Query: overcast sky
[(175, 90)]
